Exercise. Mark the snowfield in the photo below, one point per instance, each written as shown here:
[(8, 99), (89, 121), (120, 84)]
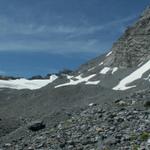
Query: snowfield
[(105, 70), (26, 84), (123, 84)]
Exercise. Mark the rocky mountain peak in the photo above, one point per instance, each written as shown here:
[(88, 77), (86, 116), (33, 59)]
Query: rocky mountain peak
[(146, 13), (133, 47)]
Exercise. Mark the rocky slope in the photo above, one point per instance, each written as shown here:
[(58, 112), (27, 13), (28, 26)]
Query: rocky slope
[(116, 121), (133, 47), (123, 124)]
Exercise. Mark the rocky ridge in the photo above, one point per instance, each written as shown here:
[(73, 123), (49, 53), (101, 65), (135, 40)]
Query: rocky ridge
[(133, 47)]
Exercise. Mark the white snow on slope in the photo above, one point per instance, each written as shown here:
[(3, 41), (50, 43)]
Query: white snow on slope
[(53, 78), (26, 84), (91, 69), (91, 104), (132, 77), (92, 82), (105, 70), (101, 63), (79, 79), (114, 70), (109, 53), (140, 64), (69, 77)]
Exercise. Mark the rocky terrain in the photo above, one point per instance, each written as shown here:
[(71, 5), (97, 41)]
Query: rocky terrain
[(123, 124), (133, 47), (103, 105)]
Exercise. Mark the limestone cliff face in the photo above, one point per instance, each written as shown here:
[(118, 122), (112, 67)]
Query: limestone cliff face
[(133, 47)]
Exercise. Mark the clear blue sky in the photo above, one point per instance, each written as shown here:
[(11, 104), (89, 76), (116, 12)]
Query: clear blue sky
[(44, 36)]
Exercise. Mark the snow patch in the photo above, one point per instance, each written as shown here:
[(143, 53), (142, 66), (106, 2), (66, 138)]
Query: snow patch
[(26, 84), (91, 104), (69, 77), (109, 53), (78, 79), (101, 63), (92, 82), (140, 64), (53, 78), (105, 70), (148, 141), (114, 70), (132, 77), (91, 69)]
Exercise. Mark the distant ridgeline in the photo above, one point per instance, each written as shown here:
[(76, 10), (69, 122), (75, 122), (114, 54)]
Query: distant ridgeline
[(60, 73)]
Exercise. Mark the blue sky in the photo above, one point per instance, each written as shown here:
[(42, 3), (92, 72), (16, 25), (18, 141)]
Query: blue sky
[(44, 36)]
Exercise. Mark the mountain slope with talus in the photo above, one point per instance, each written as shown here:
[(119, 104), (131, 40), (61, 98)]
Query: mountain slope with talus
[(128, 60), (125, 69)]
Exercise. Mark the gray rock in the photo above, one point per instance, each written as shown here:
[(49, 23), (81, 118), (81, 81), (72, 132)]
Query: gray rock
[(36, 125)]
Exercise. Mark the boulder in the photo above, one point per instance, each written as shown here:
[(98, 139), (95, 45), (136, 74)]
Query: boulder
[(36, 125)]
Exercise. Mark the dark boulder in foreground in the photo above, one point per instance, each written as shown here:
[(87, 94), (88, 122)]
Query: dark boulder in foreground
[(101, 127), (36, 125)]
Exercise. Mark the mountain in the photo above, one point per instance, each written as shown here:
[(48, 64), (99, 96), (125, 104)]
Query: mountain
[(131, 51), (133, 48), (122, 77)]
